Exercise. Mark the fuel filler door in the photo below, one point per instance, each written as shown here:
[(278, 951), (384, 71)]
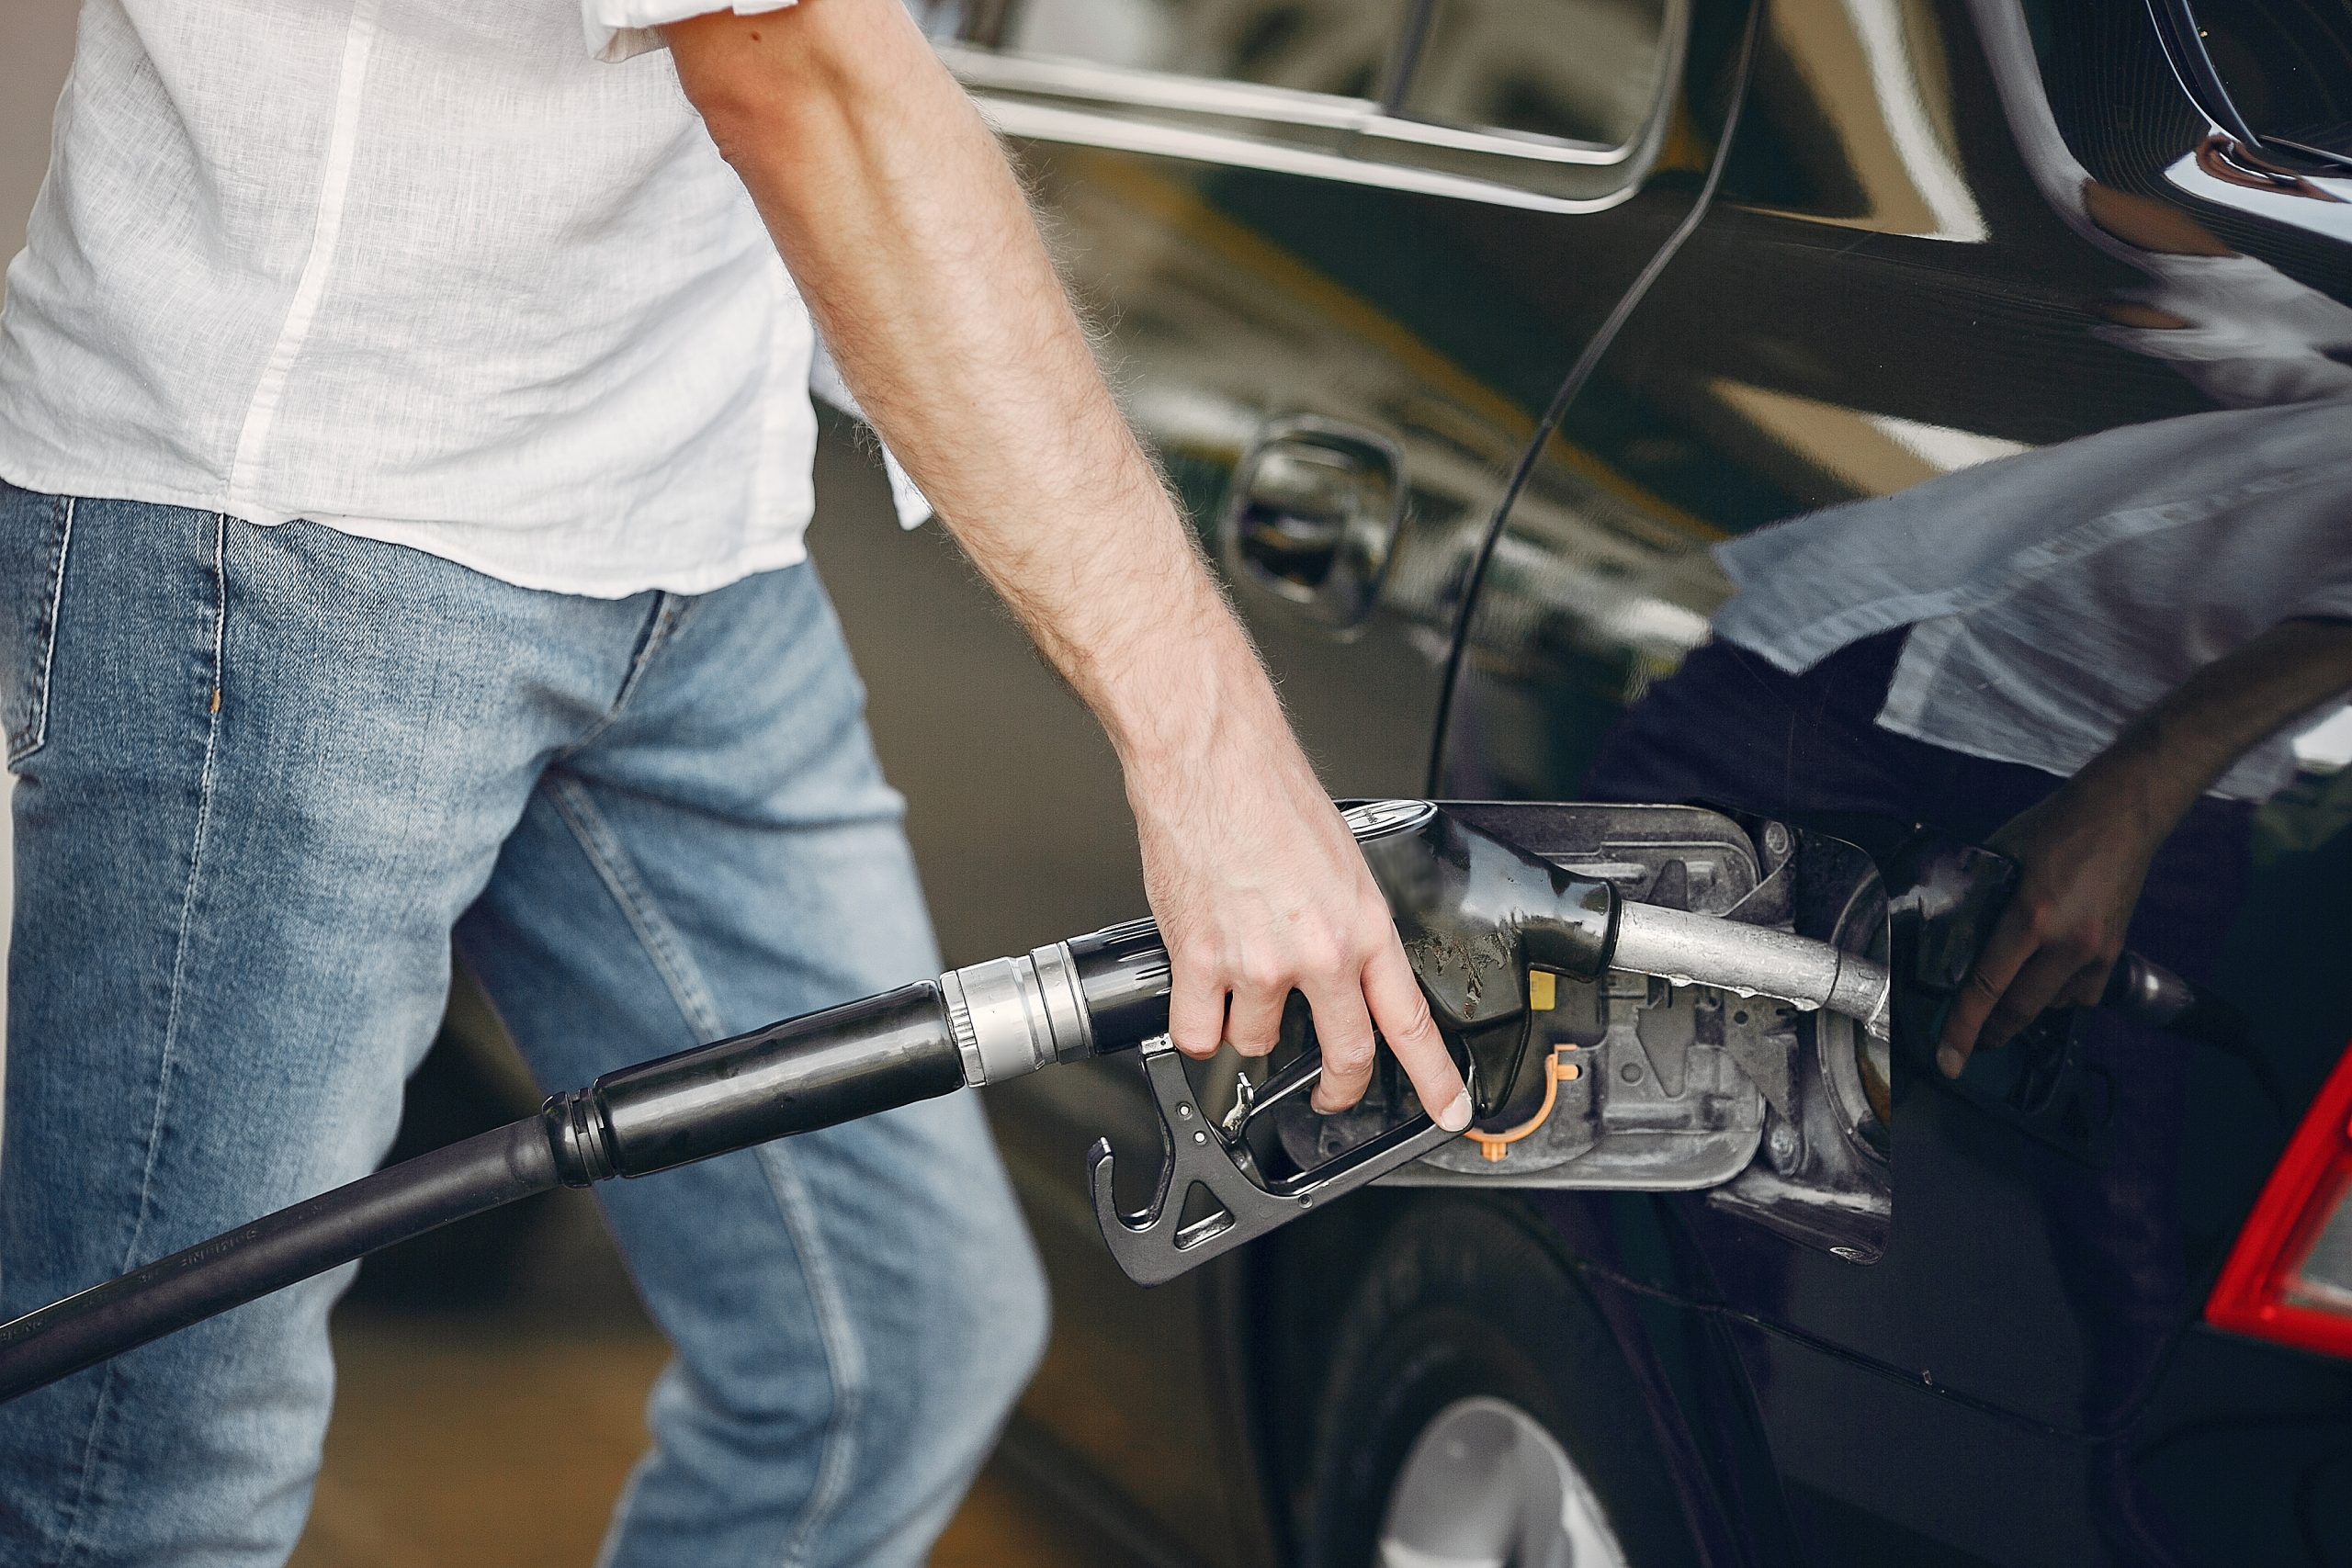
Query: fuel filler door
[(1632, 1082)]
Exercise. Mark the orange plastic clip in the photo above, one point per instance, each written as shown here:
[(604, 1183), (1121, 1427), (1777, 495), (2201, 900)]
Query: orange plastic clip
[(1495, 1147)]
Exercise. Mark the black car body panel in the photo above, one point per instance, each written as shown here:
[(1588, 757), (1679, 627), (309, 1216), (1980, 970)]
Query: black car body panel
[(1894, 275)]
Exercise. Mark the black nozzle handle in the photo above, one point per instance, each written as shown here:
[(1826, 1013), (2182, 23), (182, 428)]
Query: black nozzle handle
[(1576, 935), (2145, 991), (1945, 899)]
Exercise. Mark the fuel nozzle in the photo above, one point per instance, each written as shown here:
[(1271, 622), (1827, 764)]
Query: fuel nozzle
[(1476, 916)]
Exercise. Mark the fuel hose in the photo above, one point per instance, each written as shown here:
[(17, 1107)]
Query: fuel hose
[(976, 1025), (453, 1183)]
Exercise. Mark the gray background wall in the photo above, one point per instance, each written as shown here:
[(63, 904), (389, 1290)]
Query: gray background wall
[(36, 41)]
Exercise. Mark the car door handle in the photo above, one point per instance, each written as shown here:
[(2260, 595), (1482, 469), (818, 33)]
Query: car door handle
[(1312, 518)]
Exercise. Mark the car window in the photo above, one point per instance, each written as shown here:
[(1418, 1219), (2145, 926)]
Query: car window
[(1334, 48), (1545, 103), (1577, 71)]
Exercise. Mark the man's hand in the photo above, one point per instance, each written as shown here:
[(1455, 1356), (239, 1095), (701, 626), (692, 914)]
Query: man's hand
[(2082, 855), (910, 239), (1262, 890), (2085, 851)]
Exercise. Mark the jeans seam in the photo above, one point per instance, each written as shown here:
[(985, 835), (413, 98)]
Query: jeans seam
[(668, 615), (75, 1542), (845, 1359), (654, 933), (35, 735)]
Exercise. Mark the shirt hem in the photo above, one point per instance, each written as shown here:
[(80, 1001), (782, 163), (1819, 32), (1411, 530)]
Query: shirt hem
[(2256, 776), (617, 582)]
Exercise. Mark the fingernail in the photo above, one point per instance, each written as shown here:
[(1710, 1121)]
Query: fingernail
[(1456, 1116), (1321, 1107), (1950, 1061)]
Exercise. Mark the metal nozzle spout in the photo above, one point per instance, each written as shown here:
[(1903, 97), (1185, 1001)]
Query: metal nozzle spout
[(1752, 960)]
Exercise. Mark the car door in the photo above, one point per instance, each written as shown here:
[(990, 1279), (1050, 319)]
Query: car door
[(1341, 255), (1938, 246)]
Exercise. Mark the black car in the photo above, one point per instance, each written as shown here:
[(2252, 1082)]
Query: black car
[(1467, 330)]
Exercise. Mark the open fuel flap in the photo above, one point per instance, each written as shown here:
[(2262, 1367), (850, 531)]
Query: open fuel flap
[(1631, 1082)]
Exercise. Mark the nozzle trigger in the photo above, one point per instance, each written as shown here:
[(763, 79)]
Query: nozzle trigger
[(1152, 1245)]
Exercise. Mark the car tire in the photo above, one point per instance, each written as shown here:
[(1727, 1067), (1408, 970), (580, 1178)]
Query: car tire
[(1478, 1410)]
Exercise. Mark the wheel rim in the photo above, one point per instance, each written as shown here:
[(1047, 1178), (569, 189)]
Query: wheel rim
[(1486, 1486)]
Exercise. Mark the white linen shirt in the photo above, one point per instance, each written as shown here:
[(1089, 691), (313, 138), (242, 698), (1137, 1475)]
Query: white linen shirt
[(427, 271), (2056, 595)]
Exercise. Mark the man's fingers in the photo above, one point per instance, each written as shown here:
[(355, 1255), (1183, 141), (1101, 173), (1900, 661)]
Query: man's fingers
[(1402, 1015), (2089, 986), (1195, 1009), (2037, 986), (1254, 1020), (1343, 1033), (2006, 950)]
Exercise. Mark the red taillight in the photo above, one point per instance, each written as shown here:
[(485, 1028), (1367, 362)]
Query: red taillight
[(2289, 1277)]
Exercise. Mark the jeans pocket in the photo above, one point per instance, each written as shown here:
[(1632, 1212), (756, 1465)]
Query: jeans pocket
[(34, 533)]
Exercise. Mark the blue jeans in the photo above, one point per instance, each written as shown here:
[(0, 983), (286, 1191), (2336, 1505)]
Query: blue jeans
[(264, 777)]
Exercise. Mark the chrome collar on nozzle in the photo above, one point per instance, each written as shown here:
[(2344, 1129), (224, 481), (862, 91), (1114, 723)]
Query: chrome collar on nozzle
[(1088, 996)]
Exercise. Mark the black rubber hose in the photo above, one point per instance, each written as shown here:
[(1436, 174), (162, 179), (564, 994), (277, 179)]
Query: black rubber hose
[(416, 1196), (818, 1070), (795, 1076)]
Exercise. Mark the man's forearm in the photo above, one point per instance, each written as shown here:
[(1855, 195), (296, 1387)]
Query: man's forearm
[(2163, 761), (910, 237), (2083, 852)]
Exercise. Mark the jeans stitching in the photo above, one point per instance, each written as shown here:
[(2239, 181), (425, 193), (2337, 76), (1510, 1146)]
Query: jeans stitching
[(845, 1359), (681, 610), (77, 1541), (667, 617), (35, 734), (654, 933)]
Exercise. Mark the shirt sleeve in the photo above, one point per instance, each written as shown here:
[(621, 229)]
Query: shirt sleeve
[(617, 29)]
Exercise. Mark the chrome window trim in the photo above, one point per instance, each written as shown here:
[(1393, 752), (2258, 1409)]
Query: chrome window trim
[(1064, 78), (1507, 143), (1287, 130), (1048, 122)]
